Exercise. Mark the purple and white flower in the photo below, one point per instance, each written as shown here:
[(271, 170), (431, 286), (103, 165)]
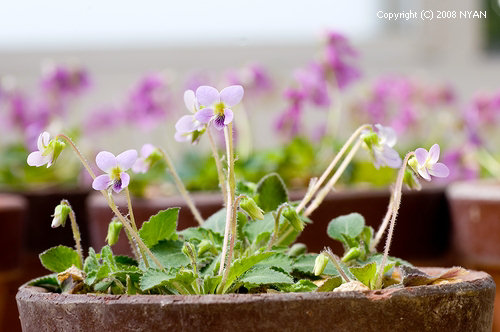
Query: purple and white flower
[(146, 160), (48, 151), (116, 177), (187, 125), (380, 144), (426, 163), (216, 105)]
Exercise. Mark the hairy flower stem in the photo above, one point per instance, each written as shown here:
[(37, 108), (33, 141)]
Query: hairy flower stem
[(231, 184), (181, 188), (218, 165), (232, 242), (310, 192), (395, 207), (277, 217), (134, 225), (335, 261), (383, 226), (112, 204), (76, 231), (333, 180)]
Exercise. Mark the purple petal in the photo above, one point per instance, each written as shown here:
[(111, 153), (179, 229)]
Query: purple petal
[(140, 166), (181, 137), (219, 122), (43, 141), (147, 149), (126, 159), (38, 159), (101, 182), (231, 95), (186, 124), (439, 170), (121, 184), (207, 96), (228, 116), (190, 100), (434, 154), (204, 115), (424, 174), (105, 160), (391, 157), (421, 155)]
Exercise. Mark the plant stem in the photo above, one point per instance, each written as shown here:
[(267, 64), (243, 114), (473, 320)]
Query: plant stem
[(335, 261), (277, 217), (329, 186), (395, 207), (78, 153), (76, 231), (218, 165), (231, 184), (180, 186), (383, 226), (310, 192), (134, 226)]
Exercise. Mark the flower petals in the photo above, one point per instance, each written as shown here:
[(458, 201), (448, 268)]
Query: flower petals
[(207, 95), (105, 160), (204, 115), (118, 186), (187, 124), (147, 149), (181, 137), (391, 157), (424, 173), (126, 159), (421, 155), (228, 116), (439, 170), (101, 182), (43, 141), (433, 154), (190, 100), (37, 159), (231, 95)]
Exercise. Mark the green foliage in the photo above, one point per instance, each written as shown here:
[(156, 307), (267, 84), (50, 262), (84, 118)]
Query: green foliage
[(350, 225), (59, 259), (160, 227), (258, 276), (271, 192)]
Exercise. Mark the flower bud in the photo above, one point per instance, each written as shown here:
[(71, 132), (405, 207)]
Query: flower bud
[(413, 164), (370, 139), (353, 253), (297, 249), (411, 180), (320, 264), (188, 250), (114, 229), (292, 216), (60, 215), (248, 205), (204, 246)]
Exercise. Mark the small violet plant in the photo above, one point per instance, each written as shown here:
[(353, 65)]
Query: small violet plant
[(246, 247)]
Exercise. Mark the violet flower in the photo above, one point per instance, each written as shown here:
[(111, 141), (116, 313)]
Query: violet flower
[(290, 120), (339, 55), (254, 78), (148, 157), (313, 84), (116, 177), (380, 144), (216, 105), (426, 163), (65, 81), (188, 127), (48, 151)]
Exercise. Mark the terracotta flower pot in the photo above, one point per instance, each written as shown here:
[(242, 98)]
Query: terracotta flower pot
[(475, 211), (463, 306), (100, 215)]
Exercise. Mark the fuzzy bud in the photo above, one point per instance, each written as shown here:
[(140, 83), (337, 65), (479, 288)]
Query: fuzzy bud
[(320, 264), (248, 205), (114, 229), (292, 217), (204, 246), (189, 250), (60, 215), (297, 249), (353, 253)]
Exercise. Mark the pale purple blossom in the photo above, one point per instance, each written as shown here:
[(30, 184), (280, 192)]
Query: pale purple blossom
[(216, 105), (339, 58), (188, 125), (313, 84), (289, 122), (116, 177), (381, 147), (427, 163), (65, 81), (48, 151), (104, 119), (144, 162), (463, 163), (254, 78)]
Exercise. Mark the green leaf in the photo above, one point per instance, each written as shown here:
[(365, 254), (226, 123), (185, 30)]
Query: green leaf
[(160, 227), (264, 276), (305, 265), (242, 265), (103, 285), (330, 284), (91, 262), (107, 258), (253, 229), (169, 253), (126, 260), (245, 188), (367, 236), (216, 222), (351, 225), (271, 192), (154, 278), (210, 284), (50, 282), (366, 274), (60, 258), (303, 285), (281, 261)]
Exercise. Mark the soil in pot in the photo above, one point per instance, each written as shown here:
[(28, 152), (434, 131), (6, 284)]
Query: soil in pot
[(462, 306)]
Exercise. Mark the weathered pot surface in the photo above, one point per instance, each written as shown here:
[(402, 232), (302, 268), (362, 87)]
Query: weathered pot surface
[(462, 306)]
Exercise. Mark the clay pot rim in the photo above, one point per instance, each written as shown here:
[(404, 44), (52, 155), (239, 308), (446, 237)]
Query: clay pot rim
[(472, 280), (483, 189)]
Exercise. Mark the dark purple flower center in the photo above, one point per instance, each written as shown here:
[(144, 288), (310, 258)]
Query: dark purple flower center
[(117, 184), (219, 121)]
